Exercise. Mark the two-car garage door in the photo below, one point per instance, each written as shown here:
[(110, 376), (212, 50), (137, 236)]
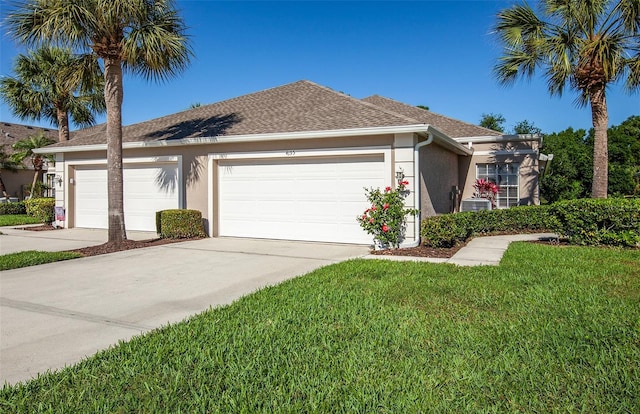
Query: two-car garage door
[(312, 198), (147, 189)]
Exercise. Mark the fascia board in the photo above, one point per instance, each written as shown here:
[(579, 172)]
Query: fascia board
[(500, 138), (417, 128)]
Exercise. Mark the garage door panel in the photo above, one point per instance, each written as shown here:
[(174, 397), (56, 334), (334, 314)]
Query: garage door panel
[(147, 189), (302, 199)]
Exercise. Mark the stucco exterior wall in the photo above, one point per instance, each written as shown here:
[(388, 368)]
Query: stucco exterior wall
[(439, 171), (523, 152), (196, 177), (16, 181)]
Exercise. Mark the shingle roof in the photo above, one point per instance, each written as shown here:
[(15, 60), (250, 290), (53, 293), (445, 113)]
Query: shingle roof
[(295, 107), (451, 127), (301, 106), (12, 133)]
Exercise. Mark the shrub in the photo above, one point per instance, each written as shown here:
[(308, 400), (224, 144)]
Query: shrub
[(613, 221), (447, 230), (13, 208), (41, 208), (179, 224), (386, 219)]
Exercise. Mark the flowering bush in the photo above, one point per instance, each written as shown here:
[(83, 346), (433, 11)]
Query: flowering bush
[(486, 189), (386, 219)]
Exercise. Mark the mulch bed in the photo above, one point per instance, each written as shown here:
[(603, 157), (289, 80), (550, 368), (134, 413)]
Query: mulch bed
[(41, 227), (126, 245), (421, 251)]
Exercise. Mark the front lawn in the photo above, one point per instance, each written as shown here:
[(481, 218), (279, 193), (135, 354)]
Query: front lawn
[(552, 329), (32, 258), (17, 219)]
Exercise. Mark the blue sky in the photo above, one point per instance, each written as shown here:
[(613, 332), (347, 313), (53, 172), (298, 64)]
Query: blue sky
[(434, 53)]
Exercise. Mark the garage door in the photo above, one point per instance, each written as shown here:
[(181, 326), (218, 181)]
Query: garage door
[(147, 189), (313, 199)]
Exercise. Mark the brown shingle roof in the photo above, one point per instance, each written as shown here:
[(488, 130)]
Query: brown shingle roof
[(295, 107), (301, 106), (12, 133), (451, 127)]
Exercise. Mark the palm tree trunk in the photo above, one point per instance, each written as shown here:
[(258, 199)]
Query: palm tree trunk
[(63, 125), (600, 119), (113, 92), (3, 189)]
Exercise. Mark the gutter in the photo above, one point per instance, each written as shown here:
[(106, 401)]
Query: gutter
[(230, 139), (417, 185)]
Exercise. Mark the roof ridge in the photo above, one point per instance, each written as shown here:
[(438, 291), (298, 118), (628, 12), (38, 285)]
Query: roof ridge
[(431, 112), (361, 102)]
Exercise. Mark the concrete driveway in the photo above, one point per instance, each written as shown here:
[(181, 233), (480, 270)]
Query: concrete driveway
[(56, 314)]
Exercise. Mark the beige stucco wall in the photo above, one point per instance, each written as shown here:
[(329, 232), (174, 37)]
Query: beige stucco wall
[(195, 165), (438, 174), (525, 153), (16, 181)]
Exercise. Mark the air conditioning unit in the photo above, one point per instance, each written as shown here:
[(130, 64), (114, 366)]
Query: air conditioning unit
[(475, 204)]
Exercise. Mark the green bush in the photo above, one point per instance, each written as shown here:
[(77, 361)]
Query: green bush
[(42, 209), (179, 224), (13, 208), (612, 222), (447, 230)]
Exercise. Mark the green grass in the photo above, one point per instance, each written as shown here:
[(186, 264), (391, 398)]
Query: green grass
[(549, 330), (17, 219), (32, 258)]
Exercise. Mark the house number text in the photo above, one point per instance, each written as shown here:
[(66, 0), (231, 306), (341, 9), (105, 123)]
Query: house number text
[(290, 153)]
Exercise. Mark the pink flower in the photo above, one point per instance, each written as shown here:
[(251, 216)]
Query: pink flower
[(371, 220), (364, 217), (374, 208), (386, 206), (385, 228), (405, 182), (386, 190)]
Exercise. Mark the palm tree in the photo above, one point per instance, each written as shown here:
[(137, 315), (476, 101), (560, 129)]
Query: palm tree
[(142, 36), (24, 150), (586, 44), (54, 84), (6, 163)]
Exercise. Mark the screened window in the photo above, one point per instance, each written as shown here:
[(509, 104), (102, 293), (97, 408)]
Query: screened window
[(506, 176)]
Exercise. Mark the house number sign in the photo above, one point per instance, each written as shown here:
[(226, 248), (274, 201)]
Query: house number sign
[(290, 153)]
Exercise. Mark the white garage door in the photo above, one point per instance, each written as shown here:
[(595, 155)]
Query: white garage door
[(147, 189), (313, 199)]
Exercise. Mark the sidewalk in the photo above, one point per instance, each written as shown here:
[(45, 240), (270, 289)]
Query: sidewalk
[(479, 251)]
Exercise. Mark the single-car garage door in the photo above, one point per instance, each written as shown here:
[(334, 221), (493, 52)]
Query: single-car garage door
[(147, 189), (314, 199)]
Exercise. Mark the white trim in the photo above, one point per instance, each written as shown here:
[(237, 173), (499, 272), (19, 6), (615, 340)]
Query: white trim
[(226, 139), (499, 138), (302, 153), (276, 136), (136, 160), (507, 152)]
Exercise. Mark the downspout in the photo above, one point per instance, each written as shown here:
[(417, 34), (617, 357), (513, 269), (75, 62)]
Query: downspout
[(417, 186)]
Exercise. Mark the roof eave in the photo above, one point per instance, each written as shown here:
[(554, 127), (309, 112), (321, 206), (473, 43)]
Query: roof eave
[(282, 136), (500, 138), (450, 143)]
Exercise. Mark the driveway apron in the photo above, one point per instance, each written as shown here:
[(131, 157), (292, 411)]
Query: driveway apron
[(56, 314)]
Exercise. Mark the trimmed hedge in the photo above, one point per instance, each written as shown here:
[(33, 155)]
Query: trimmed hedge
[(611, 222), (42, 209), (179, 224), (13, 208), (448, 230)]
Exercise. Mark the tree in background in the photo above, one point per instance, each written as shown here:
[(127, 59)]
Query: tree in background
[(55, 84), (526, 128), (24, 150), (145, 37), (571, 172), (493, 121), (586, 44), (426, 108)]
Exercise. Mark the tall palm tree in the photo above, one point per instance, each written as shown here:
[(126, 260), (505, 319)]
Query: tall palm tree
[(24, 150), (6, 163), (585, 44), (53, 84), (146, 37)]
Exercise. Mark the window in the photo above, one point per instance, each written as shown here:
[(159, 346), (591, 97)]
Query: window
[(506, 176)]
